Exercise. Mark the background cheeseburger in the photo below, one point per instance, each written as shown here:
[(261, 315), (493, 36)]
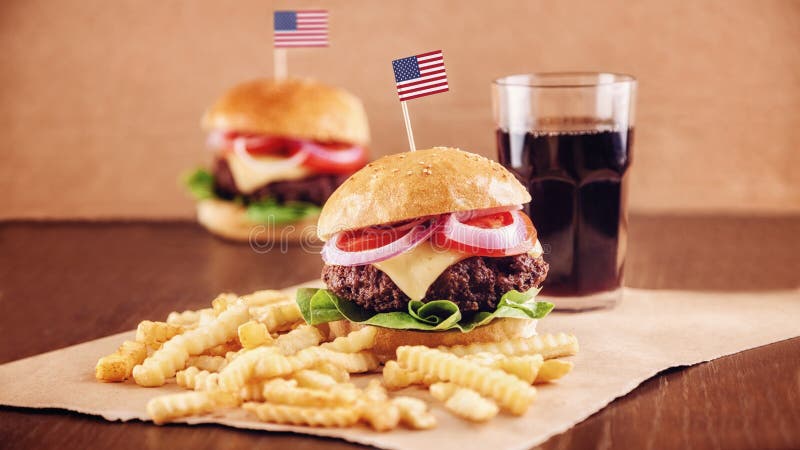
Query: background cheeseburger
[(281, 148), (432, 247)]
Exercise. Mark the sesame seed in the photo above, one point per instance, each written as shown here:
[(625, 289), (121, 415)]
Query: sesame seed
[(410, 172)]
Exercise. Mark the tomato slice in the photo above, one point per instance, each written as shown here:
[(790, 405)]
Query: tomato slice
[(259, 144), (367, 239), (497, 220), (272, 146), (490, 221)]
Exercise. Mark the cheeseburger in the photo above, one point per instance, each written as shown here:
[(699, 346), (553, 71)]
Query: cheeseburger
[(280, 149), (431, 247)]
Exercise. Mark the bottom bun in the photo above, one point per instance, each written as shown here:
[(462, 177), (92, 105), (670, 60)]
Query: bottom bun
[(387, 340), (229, 220)]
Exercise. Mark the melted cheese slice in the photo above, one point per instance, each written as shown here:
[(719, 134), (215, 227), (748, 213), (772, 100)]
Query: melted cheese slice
[(249, 178), (414, 272)]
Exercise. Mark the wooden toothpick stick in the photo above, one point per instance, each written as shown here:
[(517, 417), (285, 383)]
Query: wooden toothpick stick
[(279, 66), (411, 146)]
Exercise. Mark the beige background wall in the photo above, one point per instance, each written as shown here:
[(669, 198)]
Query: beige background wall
[(100, 100)]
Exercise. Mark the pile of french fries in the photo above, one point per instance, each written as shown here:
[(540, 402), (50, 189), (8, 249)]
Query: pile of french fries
[(255, 352)]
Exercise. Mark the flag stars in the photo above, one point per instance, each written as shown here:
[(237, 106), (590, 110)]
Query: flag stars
[(420, 75)]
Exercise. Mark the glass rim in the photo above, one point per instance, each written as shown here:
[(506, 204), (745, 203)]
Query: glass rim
[(531, 81)]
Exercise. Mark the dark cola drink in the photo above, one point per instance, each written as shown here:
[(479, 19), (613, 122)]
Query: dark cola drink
[(576, 171)]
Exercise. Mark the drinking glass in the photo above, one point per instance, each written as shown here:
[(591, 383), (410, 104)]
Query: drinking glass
[(568, 138)]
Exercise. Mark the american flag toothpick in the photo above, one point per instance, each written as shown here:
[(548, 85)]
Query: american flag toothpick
[(293, 29), (417, 76)]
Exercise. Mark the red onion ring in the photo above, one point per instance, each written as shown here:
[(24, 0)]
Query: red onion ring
[(240, 149), (216, 140), (343, 156), (501, 238), (332, 254)]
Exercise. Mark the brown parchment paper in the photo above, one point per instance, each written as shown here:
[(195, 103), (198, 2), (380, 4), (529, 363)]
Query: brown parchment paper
[(648, 332)]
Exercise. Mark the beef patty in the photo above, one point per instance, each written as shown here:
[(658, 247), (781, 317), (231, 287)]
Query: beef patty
[(315, 188), (475, 284)]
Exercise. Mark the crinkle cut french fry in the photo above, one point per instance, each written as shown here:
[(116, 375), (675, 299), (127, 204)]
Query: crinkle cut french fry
[(510, 392), (303, 415), (253, 334), (354, 342), (376, 409), (352, 362), (314, 379), (173, 406), (277, 316), (119, 365), (304, 359), (485, 358), (265, 297), (396, 377), (187, 319), (381, 416), (241, 370), (333, 371), (222, 301), (414, 413), (442, 390), (287, 392), (524, 367), (252, 392), (207, 362), (207, 316), (152, 348), (301, 337), (553, 369), (223, 349), (464, 402), (361, 362), (470, 405), (151, 333), (187, 378), (548, 345), (231, 355), (375, 391), (173, 355), (198, 380)]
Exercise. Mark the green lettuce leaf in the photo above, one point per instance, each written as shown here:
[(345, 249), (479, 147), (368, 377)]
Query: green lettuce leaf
[(269, 211), (200, 184), (321, 305)]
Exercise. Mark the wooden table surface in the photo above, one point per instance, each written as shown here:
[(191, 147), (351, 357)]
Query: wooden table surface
[(66, 283)]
